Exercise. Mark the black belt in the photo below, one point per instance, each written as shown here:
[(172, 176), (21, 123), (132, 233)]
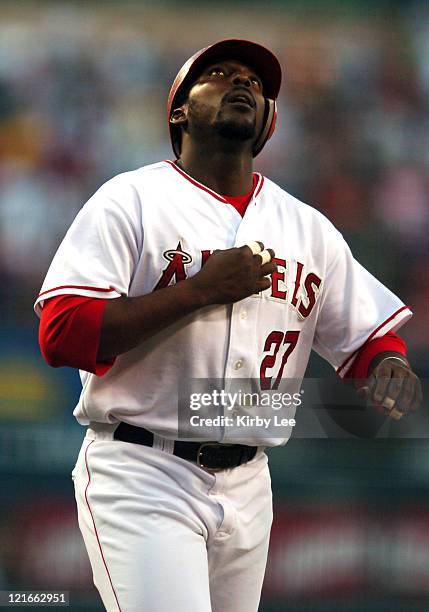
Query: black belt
[(210, 455)]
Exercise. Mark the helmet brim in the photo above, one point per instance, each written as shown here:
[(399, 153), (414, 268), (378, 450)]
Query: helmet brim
[(265, 63)]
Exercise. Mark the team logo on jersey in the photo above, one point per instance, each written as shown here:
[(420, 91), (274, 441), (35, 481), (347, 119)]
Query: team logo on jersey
[(176, 259), (302, 293)]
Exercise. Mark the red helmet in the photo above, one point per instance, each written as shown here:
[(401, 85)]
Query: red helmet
[(262, 61)]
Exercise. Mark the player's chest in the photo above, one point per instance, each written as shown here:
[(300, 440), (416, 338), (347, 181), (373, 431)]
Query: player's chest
[(180, 237), (196, 227)]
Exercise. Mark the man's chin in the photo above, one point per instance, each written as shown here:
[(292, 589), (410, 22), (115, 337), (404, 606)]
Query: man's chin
[(236, 129)]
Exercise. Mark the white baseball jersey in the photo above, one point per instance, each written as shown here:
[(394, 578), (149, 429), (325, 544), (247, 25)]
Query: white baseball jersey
[(155, 226)]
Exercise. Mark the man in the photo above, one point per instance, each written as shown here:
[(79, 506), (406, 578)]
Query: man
[(201, 269)]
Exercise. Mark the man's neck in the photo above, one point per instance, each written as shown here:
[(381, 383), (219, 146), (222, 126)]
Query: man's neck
[(227, 173)]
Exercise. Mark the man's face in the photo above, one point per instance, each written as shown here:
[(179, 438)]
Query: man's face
[(227, 96)]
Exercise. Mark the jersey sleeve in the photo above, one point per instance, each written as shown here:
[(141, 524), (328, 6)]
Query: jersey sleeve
[(70, 331), (355, 308), (98, 255)]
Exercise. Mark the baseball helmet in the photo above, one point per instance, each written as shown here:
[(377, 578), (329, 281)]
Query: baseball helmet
[(258, 57)]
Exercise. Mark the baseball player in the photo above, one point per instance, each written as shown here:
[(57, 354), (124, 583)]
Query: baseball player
[(202, 269)]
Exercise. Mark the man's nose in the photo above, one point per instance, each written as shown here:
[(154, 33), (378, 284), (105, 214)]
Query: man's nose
[(241, 78)]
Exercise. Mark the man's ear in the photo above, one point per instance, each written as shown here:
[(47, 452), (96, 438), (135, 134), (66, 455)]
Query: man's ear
[(179, 115)]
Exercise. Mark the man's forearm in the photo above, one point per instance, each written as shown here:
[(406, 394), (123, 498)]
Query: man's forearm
[(227, 276), (127, 322)]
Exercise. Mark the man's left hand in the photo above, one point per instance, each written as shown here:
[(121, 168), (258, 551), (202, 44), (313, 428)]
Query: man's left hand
[(394, 388)]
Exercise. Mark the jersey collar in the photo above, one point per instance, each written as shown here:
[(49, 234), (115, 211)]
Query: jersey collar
[(217, 196)]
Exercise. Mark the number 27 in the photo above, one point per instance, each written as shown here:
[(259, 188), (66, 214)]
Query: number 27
[(272, 346)]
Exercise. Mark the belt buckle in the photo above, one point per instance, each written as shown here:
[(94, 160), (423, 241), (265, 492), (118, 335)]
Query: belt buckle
[(200, 453)]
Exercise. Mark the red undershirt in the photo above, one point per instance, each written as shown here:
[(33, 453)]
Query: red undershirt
[(241, 203), (70, 328)]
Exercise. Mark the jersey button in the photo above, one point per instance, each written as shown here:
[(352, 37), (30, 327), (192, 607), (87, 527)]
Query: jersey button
[(238, 364), (243, 315)]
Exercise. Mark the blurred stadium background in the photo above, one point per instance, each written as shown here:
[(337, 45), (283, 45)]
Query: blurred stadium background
[(82, 97)]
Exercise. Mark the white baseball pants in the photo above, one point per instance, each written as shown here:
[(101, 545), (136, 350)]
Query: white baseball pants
[(163, 534)]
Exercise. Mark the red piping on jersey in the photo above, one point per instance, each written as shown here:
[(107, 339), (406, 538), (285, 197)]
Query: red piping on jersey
[(196, 183), (258, 189), (102, 289), (395, 314), (95, 528), (207, 189)]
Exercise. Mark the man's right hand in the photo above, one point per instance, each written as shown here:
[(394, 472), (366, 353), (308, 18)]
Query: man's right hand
[(232, 275)]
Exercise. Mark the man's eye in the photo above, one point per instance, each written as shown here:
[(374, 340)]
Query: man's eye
[(216, 72), (255, 81)]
